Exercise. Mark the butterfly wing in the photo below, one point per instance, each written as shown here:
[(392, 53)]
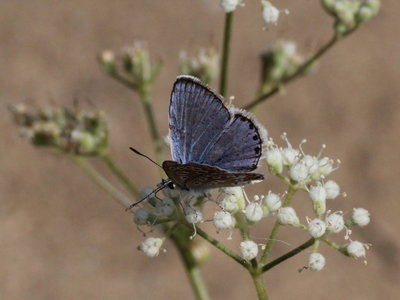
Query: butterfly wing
[(196, 117), (194, 176), (204, 131)]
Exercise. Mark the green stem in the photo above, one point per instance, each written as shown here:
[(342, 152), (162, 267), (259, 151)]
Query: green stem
[(126, 82), (101, 181), (221, 247), (225, 53), (242, 224), (288, 255), (300, 70), (148, 110), (260, 287), (275, 229), (119, 174), (180, 237), (335, 246)]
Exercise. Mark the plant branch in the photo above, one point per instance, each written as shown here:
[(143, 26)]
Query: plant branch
[(275, 229), (260, 287), (225, 53), (119, 174), (220, 246), (288, 255), (101, 181), (300, 70)]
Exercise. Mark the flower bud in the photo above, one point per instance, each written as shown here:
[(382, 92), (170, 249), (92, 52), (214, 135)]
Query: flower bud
[(151, 246), (229, 5), (318, 198), (273, 202), (316, 262), (275, 160), (356, 249), (334, 222), (270, 13), (332, 189), (223, 220), (193, 215), (289, 156), (299, 172), (249, 249), (316, 228), (204, 66), (360, 217), (254, 212), (141, 216), (107, 61), (232, 199), (288, 216)]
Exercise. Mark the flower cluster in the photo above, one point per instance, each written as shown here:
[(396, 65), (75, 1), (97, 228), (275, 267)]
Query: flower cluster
[(73, 131), (203, 66), (279, 62), (301, 172), (350, 13), (132, 64)]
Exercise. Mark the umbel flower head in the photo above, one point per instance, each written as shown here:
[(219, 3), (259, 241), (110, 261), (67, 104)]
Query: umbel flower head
[(74, 131)]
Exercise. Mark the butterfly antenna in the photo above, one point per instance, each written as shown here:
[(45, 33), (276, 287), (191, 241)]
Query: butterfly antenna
[(164, 185), (141, 154)]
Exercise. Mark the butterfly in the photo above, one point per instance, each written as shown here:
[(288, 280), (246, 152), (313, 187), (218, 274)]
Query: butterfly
[(212, 145)]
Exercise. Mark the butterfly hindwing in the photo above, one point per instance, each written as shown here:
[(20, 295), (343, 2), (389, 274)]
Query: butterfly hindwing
[(194, 176)]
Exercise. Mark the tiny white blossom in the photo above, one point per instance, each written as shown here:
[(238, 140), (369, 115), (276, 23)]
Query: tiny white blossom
[(356, 249), (223, 220), (165, 207), (360, 216), (332, 189), (334, 222), (254, 212), (299, 172), (249, 249), (290, 156), (273, 202), (151, 246), (318, 197), (312, 165), (288, 216), (316, 262), (141, 216), (325, 166), (193, 215), (316, 228), (275, 160), (232, 199), (229, 5), (269, 12), (145, 192)]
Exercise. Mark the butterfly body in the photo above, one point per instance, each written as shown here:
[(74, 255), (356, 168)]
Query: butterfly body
[(212, 145)]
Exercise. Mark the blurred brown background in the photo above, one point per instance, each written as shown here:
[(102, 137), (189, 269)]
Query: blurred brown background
[(63, 238)]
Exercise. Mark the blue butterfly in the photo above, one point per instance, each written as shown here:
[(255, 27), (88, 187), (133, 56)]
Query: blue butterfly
[(212, 145)]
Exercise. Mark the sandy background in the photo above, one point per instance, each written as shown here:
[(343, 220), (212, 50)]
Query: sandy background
[(63, 238)]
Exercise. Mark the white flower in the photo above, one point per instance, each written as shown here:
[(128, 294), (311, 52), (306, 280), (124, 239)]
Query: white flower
[(254, 212), (334, 222), (146, 192), (269, 12), (318, 197), (325, 166), (299, 172), (356, 249), (141, 216), (290, 156), (193, 215), (316, 262), (273, 201), (151, 246), (287, 216), (223, 220), (165, 207), (232, 199), (360, 217), (229, 5), (249, 249), (275, 160), (316, 228), (332, 189)]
